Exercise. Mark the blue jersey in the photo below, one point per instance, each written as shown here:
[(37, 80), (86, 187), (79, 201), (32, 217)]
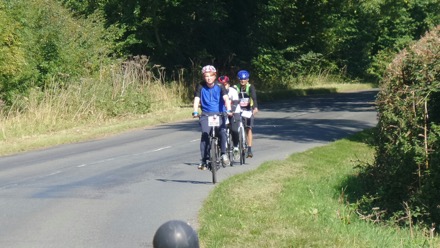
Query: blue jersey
[(211, 99)]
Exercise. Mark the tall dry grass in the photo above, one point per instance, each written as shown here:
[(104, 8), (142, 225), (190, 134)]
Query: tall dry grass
[(123, 90)]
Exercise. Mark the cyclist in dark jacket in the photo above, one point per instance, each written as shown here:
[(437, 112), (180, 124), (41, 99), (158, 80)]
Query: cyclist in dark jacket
[(248, 101)]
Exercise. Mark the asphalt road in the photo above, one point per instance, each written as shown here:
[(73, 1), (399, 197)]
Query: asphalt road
[(117, 191)]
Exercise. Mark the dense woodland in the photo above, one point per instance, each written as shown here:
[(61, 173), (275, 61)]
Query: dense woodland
[(98, 59), (276, 40)]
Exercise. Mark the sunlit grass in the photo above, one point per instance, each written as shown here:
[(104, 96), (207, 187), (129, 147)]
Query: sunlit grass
[(119, 100), (341, 87), (323, 83), (326, 80), (95, 129), (297, 203)]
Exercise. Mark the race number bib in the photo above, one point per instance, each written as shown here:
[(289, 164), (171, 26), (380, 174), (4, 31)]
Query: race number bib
[(244, 102), (246, 114), (213, 121)]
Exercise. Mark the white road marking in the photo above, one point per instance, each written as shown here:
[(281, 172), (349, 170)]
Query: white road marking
[(162, 148), (54, 173), (84, 165), (122, 156)]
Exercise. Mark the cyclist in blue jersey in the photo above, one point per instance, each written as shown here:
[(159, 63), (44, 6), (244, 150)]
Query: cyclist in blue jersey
[(213, 99)]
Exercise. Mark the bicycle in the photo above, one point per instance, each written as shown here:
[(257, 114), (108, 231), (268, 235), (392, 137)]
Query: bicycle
[(214, 161), (242, 147), (229, 145)]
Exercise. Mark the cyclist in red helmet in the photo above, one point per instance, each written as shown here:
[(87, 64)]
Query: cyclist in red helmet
[(235, 119)]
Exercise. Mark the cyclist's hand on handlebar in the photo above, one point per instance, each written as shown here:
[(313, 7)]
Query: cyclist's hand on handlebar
[(229, 112), (254, 111)]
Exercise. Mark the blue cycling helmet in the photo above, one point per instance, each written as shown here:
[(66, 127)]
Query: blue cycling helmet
[(243, 75)]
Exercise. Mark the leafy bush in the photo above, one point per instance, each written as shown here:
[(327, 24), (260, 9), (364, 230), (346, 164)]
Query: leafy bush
[(11, 56), (279, 69), (13, 62), (45, 43), (406, 174)]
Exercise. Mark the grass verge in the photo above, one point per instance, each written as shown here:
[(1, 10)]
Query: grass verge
[(299, 202), (94, 130)]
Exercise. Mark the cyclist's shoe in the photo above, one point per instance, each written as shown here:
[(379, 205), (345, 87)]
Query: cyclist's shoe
[(202, 166), (249, 154), (236, 154), (225, 160)]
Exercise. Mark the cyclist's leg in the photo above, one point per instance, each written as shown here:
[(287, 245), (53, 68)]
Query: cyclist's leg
[(223, 140), (247, 129), (250, 124), (204, 141), (235, 122), (222, 136), (229, 133)]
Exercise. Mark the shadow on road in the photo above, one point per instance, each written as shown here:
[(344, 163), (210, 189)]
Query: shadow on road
[(270, 123), (306, 130), (184, 181), (338, 102)]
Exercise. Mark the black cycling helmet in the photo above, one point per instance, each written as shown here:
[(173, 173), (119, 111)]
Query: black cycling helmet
[(175, 234)]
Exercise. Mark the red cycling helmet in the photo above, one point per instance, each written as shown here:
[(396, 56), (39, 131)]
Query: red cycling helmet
[(223, 79)]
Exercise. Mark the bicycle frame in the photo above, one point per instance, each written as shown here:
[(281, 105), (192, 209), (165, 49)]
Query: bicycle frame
[(214, 149), (242, 145), (242, 139), (229, 145), (214, 121)]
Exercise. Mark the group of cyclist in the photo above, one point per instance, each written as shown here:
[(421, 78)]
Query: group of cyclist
[(217, 96)]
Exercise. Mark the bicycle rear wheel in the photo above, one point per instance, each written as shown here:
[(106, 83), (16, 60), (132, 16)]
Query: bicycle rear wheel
[(230, 148), (214, 159)]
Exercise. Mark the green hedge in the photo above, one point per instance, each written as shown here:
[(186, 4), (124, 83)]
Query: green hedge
[(406, 172)]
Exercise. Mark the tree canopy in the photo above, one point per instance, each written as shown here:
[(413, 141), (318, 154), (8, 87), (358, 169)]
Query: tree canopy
[(275, 39), (301, 36)]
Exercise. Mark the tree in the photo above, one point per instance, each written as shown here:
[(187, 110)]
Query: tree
[(44, 43)]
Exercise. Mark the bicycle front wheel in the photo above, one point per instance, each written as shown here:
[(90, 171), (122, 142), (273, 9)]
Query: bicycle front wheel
[(214, 159), (242, 145)]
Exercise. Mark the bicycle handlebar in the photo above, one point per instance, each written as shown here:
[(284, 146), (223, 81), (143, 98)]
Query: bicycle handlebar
[(223, 114)]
